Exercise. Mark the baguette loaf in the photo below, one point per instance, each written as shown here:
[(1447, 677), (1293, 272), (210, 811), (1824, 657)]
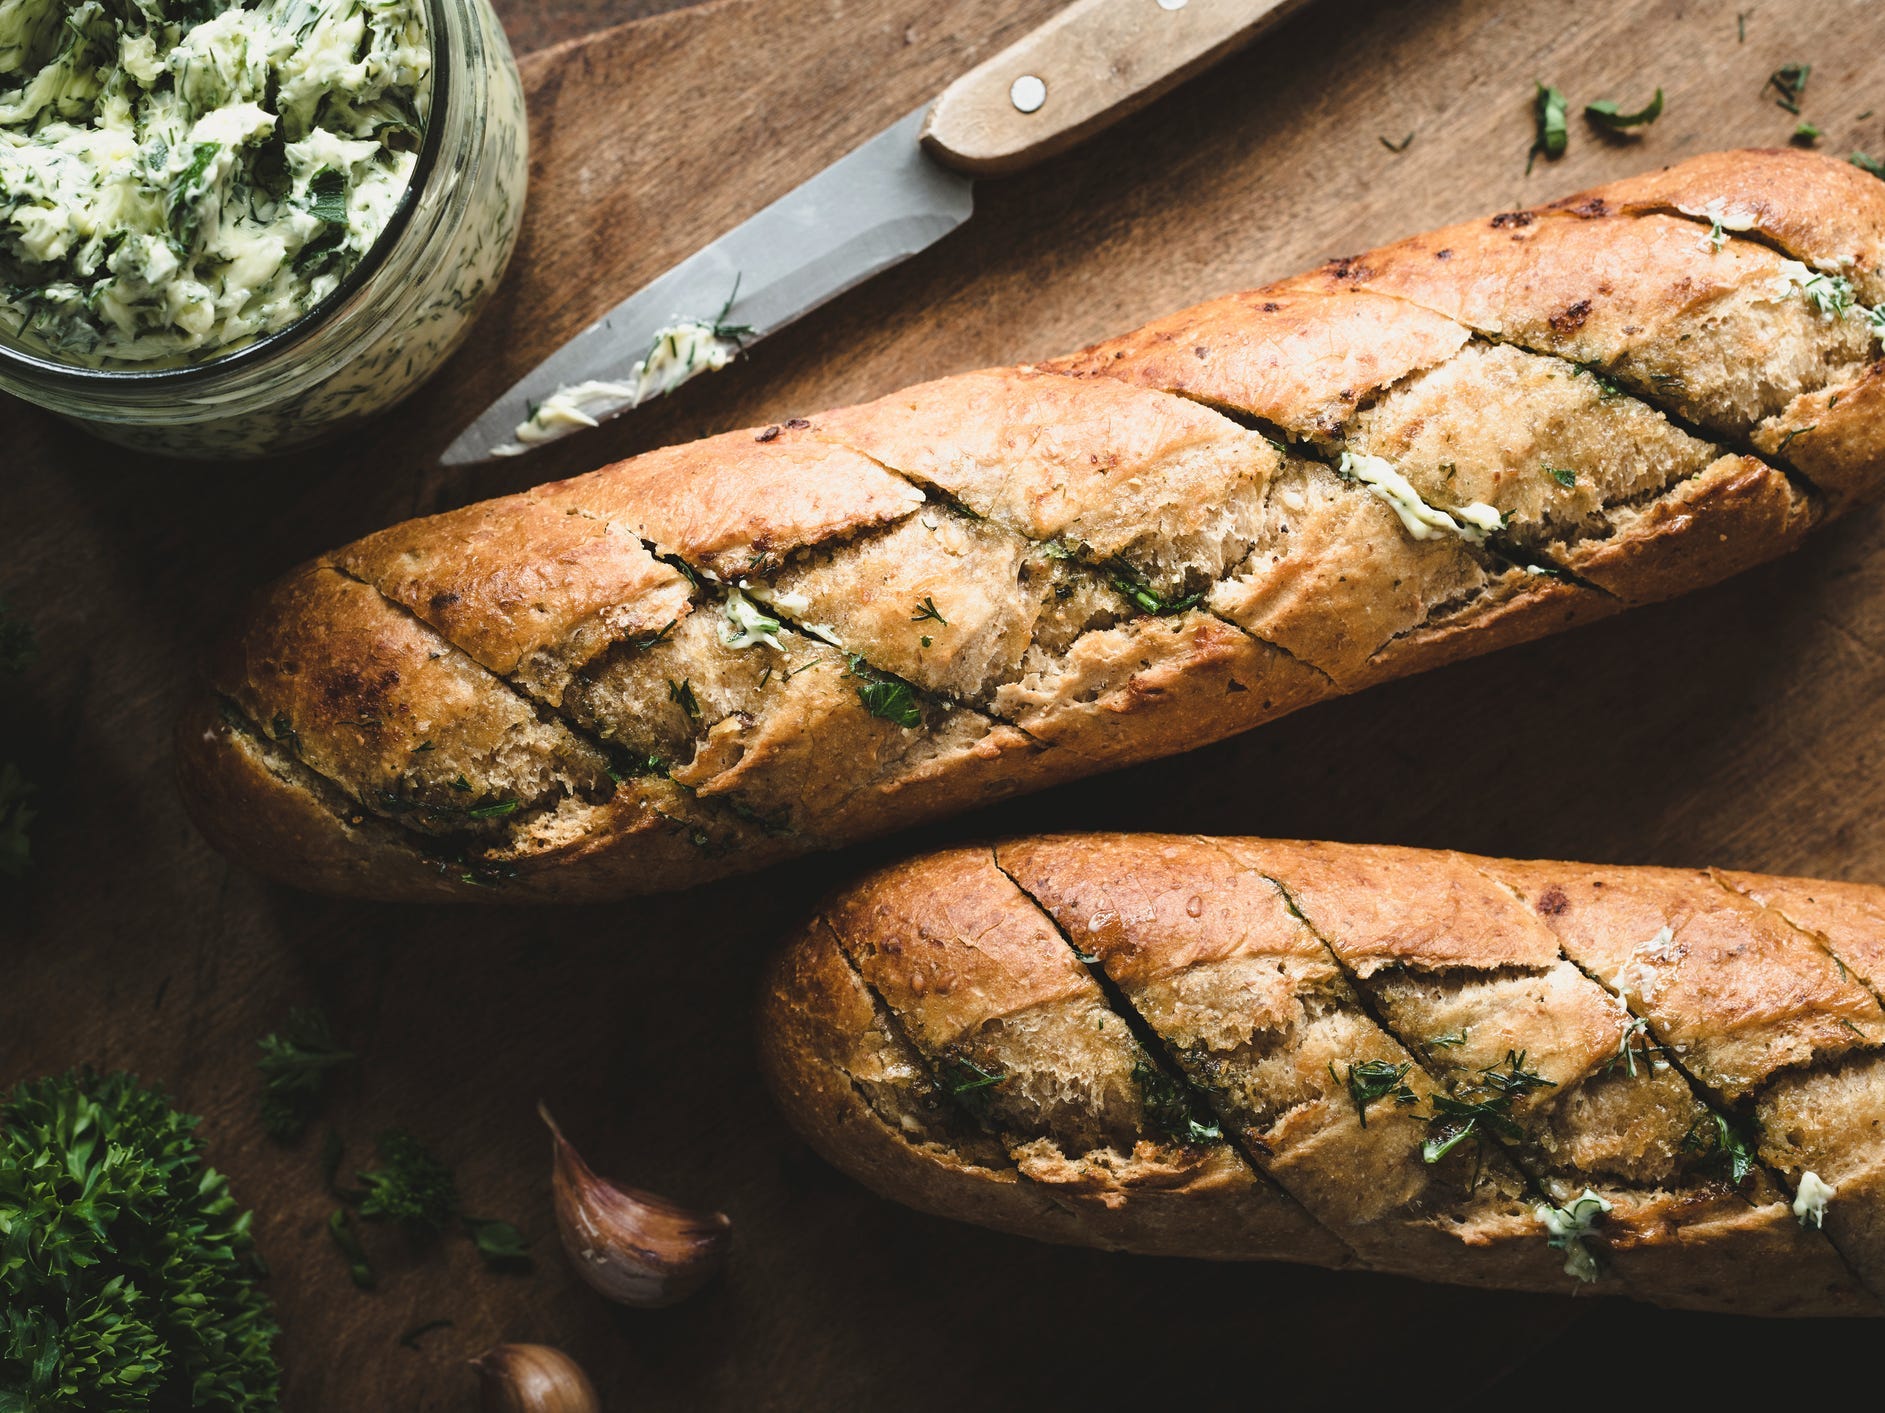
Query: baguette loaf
[(718, 655), (1660, 1083)]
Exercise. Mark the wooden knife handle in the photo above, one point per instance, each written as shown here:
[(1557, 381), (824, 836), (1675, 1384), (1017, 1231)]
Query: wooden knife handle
[(1089, 66)]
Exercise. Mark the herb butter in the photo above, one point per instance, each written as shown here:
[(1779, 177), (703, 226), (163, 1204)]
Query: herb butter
[(1422, 521), (179, 177), (1569, 1227), (679, 352), (1811, 1200), (747, 625)]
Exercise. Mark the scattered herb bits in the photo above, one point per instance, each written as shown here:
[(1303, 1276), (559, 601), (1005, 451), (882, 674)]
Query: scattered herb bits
[(1143, 596), (1606, 114), (295, 1063), (1553, 127), (1373, 1081), (883, 696), (411, 1186), (499, 1243), (1867, 163), (1789, 85), (340, 1228)]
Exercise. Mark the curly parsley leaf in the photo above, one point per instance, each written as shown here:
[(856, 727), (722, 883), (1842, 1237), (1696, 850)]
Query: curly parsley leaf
[(411, 1186), (127, 1272)]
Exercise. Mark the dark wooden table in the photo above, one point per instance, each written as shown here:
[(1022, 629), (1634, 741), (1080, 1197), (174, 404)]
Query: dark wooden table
[(1740, 726)]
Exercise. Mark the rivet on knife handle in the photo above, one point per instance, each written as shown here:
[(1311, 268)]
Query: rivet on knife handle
[(1082, 71)]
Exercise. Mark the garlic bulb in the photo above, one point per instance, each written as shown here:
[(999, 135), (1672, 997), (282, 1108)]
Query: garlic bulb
[(632, 1246), (534, 1378)]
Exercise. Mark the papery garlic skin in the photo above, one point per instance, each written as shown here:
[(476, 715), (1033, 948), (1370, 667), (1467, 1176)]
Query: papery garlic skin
[(533, 1378), (634, 1247)]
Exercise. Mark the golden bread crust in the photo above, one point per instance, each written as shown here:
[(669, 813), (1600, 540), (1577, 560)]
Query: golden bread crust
[(1336, 1014), (779, 640)]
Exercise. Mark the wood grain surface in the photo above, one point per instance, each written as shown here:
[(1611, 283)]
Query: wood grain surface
[(1739, 726)]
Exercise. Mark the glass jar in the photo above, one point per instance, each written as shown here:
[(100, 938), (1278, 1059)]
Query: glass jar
[(387, 327)]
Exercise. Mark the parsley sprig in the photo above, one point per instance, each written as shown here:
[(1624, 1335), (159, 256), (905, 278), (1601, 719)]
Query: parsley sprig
[(296, 1061), (127, 1271)]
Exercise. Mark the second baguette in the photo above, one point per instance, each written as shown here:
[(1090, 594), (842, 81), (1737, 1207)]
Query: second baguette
[(1660, 1083)]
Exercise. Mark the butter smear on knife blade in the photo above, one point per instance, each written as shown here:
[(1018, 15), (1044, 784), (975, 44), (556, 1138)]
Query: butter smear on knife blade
[(680, 351)]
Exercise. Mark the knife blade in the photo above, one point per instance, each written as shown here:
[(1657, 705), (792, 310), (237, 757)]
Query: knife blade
[(867, 211), (895, 195)]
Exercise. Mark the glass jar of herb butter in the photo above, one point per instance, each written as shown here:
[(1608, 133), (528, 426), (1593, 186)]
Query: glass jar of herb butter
[(246, 228)]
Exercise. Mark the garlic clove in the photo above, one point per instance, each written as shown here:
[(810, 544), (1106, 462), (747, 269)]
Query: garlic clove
[(533, 1378), (632, 1246)]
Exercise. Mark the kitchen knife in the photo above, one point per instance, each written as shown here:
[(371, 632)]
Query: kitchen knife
[(900, 192)]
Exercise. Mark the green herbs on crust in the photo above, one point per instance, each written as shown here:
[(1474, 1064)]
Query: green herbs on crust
[(1143, 596), (1722, 1146), (1374, 1080), (127, 1273), (1481, 1109), (1172, 1109), (884, 696), (969, 1083)]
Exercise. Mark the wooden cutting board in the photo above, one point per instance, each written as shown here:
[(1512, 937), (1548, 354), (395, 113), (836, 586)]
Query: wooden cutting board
[(1740, 726)]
